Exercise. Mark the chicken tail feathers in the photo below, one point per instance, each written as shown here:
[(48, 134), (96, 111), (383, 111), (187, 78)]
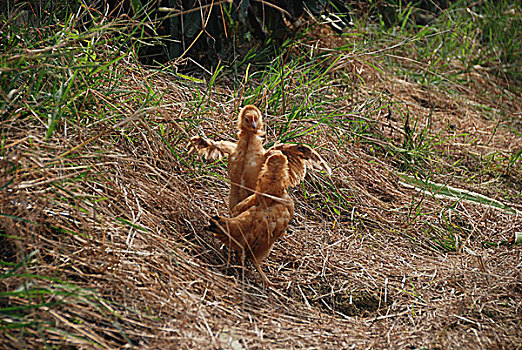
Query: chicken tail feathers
[(219, 227), (213, 224)]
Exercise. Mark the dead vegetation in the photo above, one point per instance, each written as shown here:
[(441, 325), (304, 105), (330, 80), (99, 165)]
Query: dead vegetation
[(103, 242)]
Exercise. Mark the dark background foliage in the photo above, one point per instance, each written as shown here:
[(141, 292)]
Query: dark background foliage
[(215, 31)]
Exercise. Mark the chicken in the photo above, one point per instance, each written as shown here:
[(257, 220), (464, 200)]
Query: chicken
[(260, 219), (248, 155)]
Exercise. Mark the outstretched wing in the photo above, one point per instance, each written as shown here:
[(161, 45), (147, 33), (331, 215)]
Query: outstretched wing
[(210, 149), (300, 157)]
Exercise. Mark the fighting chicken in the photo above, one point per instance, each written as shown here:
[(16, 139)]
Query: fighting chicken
[(248, 156), (259, 220)]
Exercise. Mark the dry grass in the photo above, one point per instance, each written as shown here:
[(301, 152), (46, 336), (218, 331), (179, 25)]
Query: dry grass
[(116, 227)]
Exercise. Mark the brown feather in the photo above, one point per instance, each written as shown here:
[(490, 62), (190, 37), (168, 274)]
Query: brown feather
[(210, 149), (300, 157)]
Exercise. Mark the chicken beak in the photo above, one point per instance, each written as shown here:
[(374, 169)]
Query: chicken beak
[(254, 125)]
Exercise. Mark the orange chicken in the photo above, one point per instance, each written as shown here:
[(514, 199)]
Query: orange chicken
[(260, 219)]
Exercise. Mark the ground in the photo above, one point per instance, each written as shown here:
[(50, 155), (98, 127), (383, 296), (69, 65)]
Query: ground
[(103, 223)]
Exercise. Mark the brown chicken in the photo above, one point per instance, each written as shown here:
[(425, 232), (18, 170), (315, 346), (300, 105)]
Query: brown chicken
[(247, 158), (248, 155), (259, 220)]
